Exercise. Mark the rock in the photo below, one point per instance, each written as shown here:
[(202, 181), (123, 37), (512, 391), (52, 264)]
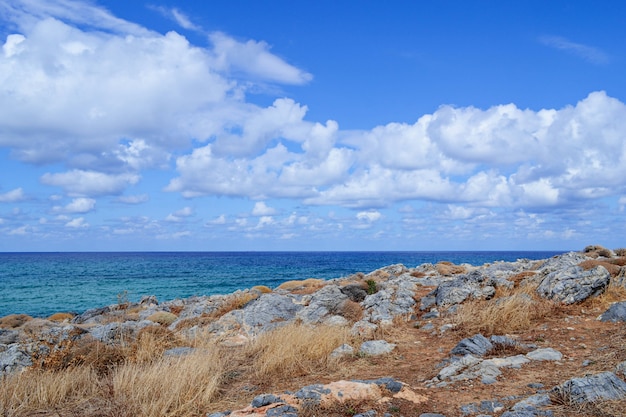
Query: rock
[(363, 328), (114, 332), (268, 312), (547, 354), (282, 411), (574, 284), (431, 415), (615, 313), (427, 302), (338, 321), (91, 314), (343, 350), (13, 359), (534, 401), (376, 347), (354, 292), (477, 345), (179, 351), (8, 337), (323, 303), (603, 386), (463, 287), (265, 399), (147, 300), (370, 413)]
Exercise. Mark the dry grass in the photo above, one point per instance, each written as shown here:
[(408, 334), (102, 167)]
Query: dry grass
[(234, 302), (610, 266), (612, 294), (515, 311), (152, 342), (61, 317), (595, 251), (179, 386), (13, 321), (296, 350), (23, 393), (164, 318), (262, 289), (446, 268), (307, 286), (351, 311)]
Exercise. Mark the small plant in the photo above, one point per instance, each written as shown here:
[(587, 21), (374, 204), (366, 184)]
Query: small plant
[(122, 300), (372, 287), (164, 318)]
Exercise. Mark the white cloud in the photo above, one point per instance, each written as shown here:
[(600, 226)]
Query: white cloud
[(262, 209), (218, 220), (78, 205), (369, 216), (78, 223), (90, 183), (586, 52), (12, 196), (180, 215)]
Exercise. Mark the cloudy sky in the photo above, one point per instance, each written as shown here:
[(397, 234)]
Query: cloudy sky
[(312, 125)]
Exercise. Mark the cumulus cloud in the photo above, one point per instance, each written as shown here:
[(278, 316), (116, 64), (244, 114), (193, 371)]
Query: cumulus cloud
[(78, 223), (133, 199), (90, 183), (180, 215), (12, 196), (77, 205), (262, 209)]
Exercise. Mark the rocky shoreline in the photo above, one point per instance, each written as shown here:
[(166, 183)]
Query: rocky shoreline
[(421, 304)]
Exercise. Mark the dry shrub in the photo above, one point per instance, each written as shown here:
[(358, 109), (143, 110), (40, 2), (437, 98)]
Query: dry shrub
[(13, 321), (172, 386), (262, 289), (84, 352), (151, 342), (61, 317), (592, 263), (310, 284), (565, 406), (233, 302), (519, 277), (23, 394), (595, 251), (351, 310), (508, 314), (295, 350), (448, 268), (164, 318), (612, 294), (620, 252), (176, 309), (417, 274)]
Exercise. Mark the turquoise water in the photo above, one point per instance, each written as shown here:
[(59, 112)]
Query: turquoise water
[(40, 284)]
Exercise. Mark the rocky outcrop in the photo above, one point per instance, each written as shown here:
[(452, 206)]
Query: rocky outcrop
[(574, 284), (616, 312), (603, 386)]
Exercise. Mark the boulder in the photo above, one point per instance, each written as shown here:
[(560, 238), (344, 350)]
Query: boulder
[(615, 313), (546, 354), (477, 345), (268, 312), (603, 386), (8, 337), (376, 347), (574, 284), (355, 292), (460, 288), (13, 359), (323, 303)]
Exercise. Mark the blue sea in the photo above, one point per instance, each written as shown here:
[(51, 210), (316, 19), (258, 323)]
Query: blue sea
[(40, 284)]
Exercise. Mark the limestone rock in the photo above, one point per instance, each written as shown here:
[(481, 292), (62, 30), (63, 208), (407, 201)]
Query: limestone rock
[(574, 284), (615, 313), (323, 303), (477, 345), (603, 386), (546, 354), (13, 359), (376, 347)]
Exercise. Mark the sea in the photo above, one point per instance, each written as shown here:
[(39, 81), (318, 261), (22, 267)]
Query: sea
[(41, 284)]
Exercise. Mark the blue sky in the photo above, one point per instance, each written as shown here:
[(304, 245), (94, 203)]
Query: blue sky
[(312, 125)]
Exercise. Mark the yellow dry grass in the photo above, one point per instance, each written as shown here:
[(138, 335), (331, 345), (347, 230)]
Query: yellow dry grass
[(179, 386), (163, 317), (514, 311), (61, 317), (296, 350), (310, 283), (23, 393)]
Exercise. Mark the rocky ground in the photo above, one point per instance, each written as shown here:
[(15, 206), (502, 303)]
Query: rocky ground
[(513, 339)]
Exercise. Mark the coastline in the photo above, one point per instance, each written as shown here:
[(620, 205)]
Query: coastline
[(408, 335)]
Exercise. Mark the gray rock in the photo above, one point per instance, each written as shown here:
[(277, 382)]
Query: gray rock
[(8, 337), (376, 347), (323, 303), (621, 368), (574, 284), (431, 415), (370, 413), (477, 345), (343, 350), (355, 292), (92, 313), (282, 411), (179, 351), (534, 401), (265, 399), (546, 354), (311, 393), (520, 413), (363, 328), (222, 414), (615, 313), (268, 312), (427, 302), (603, 386), (463, 287), (112, 333), (13, 359)]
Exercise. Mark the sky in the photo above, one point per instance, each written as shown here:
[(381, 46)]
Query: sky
[(312, 125)]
